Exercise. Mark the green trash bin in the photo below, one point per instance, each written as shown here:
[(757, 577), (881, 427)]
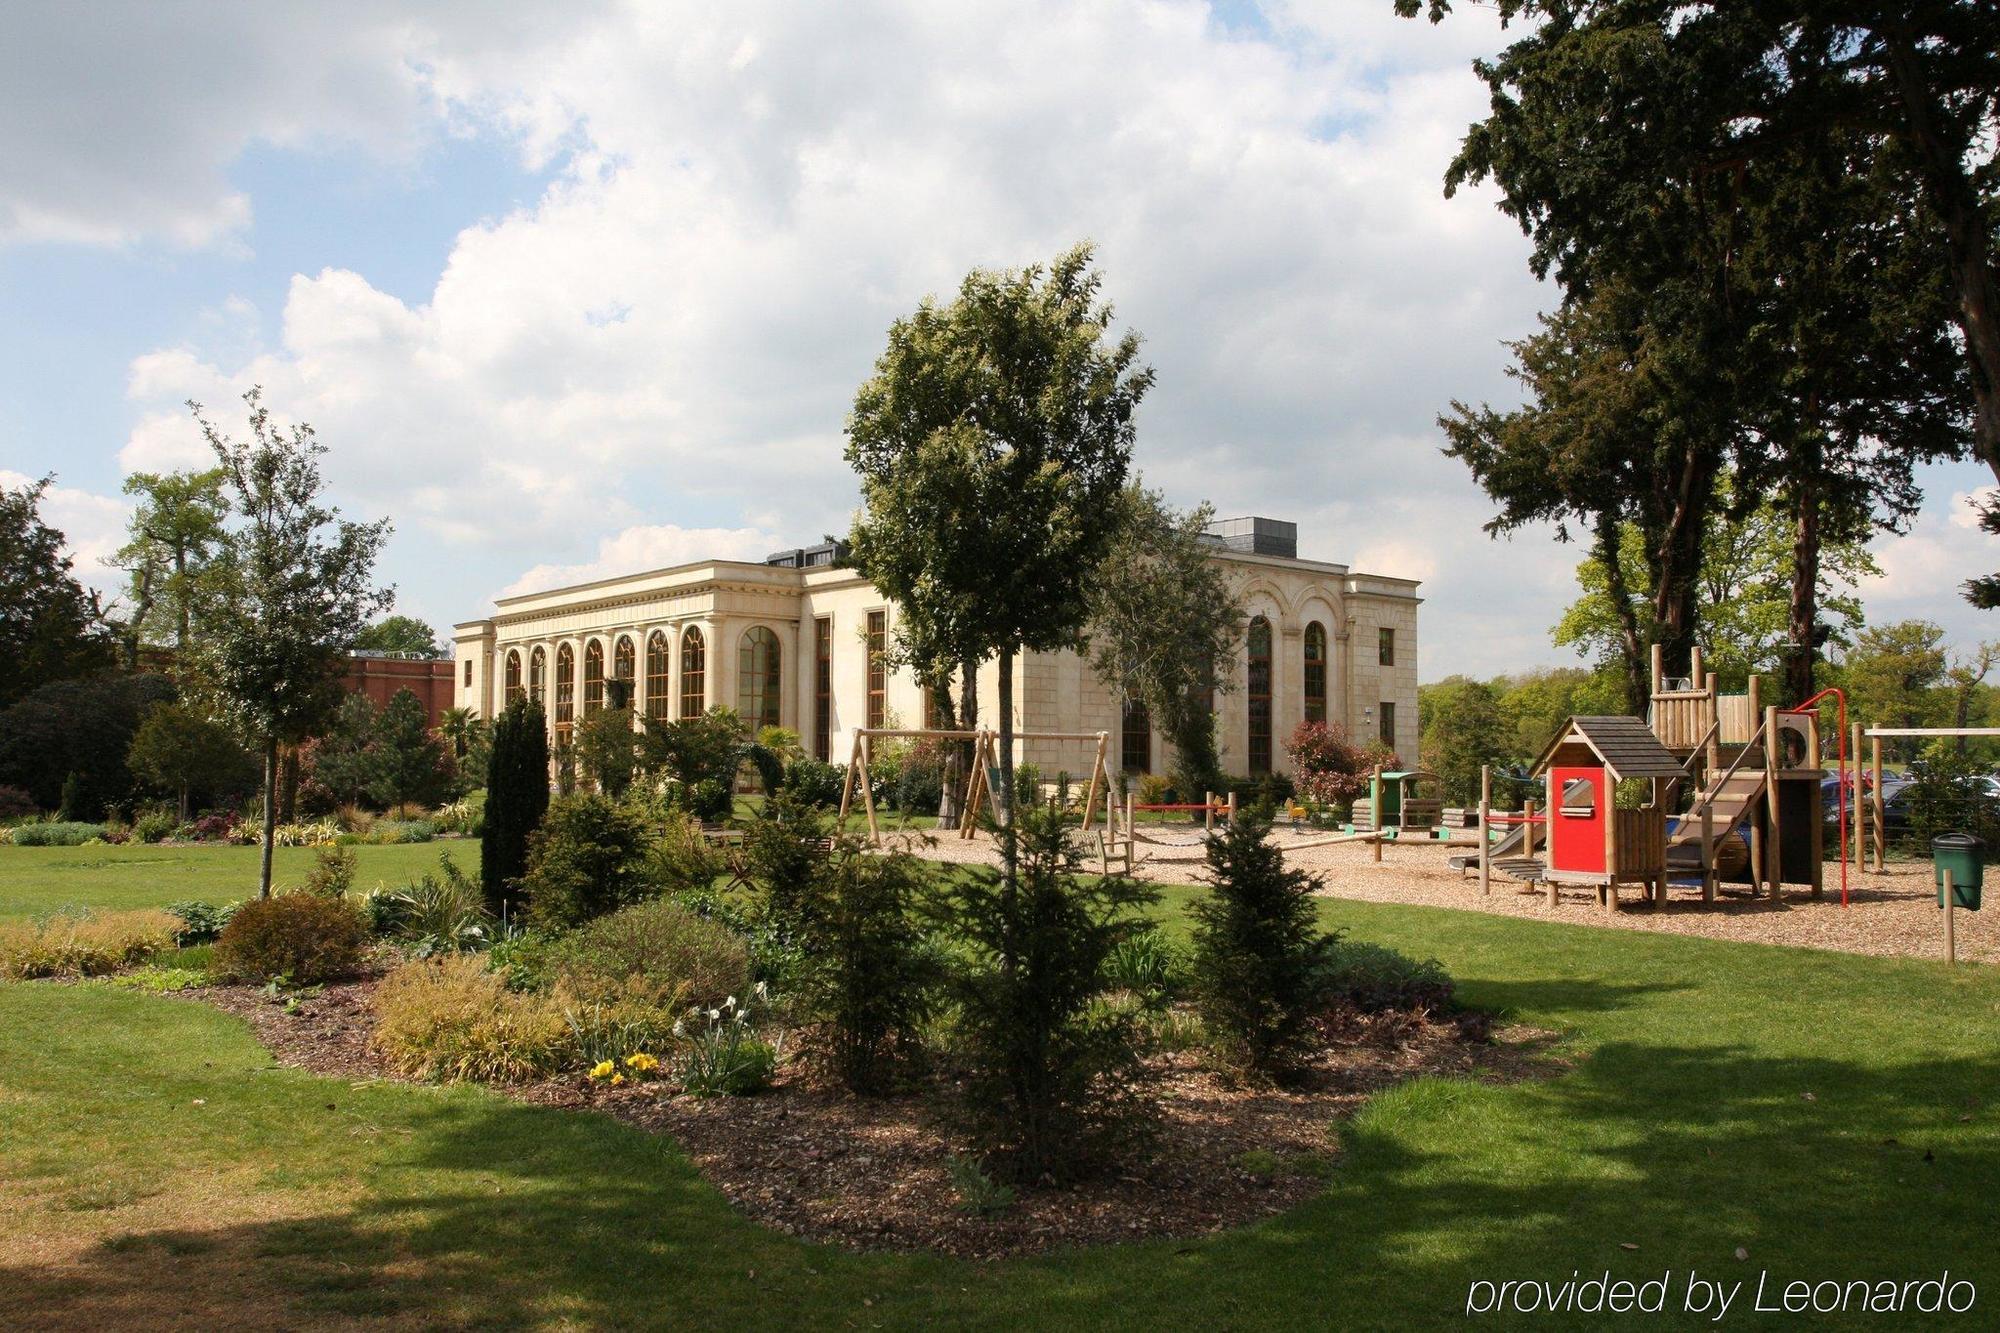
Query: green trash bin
[(1965, 857)]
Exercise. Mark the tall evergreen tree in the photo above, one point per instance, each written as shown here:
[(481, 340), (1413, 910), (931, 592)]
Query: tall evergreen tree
[(50, 628), (517, 796)]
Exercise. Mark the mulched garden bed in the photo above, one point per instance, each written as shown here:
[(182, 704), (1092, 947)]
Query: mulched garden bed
[(876, 1173)]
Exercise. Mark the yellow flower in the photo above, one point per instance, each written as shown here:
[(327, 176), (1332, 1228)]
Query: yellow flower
[(641, 1062), (617, 1080), (604, 1069)]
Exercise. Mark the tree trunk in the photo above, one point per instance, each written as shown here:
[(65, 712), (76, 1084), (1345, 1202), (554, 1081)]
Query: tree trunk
[(1954, 199), (1803, 617), (1006, 681), (270, 814), (184, 803), (1631, 644), (1676, 550)]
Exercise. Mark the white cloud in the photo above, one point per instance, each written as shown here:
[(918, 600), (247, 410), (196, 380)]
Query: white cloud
[(672, 334), (649, 547)]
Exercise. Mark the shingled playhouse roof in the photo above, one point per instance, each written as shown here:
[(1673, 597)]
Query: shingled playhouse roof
[(1626, 745)]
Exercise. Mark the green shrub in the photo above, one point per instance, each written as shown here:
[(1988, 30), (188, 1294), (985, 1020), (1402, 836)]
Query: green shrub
[(814, 782), (200, 922), (466, 815), (441, 913), (1148, 965), (1257, 950), (300, 938), (1050, 1077), (84, 943), (332, 874), (15, 803), (69, 834), (865, 982), (155, 825), (450, 1018), (1374, 977), (657, 951), (1946, 795), (679, 861), (587, 859), (390, 831), (785, 850)]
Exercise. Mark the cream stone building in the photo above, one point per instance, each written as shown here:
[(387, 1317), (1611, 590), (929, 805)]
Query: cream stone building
[(795, 641)]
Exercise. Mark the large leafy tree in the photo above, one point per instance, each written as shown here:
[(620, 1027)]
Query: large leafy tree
[(180, 749), (51, 628), (76, 734), (1164, 626), (1892, 675), (175, 541), (1745, 601), (400, 634), (1859, 125), (992, 443), (301, 587)]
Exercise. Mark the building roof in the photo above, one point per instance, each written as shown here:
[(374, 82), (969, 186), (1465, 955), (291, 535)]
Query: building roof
[(1625, 745)]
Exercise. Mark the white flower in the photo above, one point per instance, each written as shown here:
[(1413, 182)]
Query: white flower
[(763, 991), (729, 1003), (680, 1028), (714, 1014)]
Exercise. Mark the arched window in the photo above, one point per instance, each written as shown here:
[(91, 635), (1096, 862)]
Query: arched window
[(694, 673), (565, 690), (623, 658), (1135, 743), (538, 675), (757, 678), (658, 705), (1258, 694), (593, 677), (1315, 672), (513, 674)]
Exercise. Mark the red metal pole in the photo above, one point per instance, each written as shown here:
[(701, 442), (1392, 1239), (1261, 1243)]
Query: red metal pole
[(1841, 793)]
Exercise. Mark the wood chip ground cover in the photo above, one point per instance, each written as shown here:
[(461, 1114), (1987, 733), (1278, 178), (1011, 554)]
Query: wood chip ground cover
[(876, 1173)]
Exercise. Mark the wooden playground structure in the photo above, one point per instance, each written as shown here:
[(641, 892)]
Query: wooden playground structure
[(981, 784)]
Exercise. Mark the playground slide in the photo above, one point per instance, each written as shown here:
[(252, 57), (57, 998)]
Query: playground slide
[(1728, 802), (1511, 845)]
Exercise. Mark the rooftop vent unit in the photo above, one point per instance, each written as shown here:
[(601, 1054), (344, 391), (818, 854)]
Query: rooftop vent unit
[(1256, 536), (823, 556)]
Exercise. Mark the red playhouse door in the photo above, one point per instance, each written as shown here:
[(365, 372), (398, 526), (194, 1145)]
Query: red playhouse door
[(1576, 819)]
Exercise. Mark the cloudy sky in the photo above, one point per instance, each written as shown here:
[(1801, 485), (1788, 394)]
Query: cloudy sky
[(582, 289)]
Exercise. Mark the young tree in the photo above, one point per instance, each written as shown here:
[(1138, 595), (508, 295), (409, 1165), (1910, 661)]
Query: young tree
[(51, 629), (1892, 675), (300, 589), (345, 757), (992, 443), (176, 536), (517, 796), (1050, 1084), (180, 748), (1165, 625), (1257, 949), (399, 634), (609, 750), (413, 765)]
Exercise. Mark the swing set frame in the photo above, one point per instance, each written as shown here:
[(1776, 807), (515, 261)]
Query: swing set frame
[(978, 788)]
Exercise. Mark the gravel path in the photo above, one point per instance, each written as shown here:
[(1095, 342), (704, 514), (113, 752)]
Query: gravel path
[(1892, 914)]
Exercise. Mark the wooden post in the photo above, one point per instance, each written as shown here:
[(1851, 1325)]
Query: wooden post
[(1485, 834), (1774, 844), (1707, 852), (1208, 812), (1853, 775), (1608, 795), (1712, 757), (1875, 802), (847, 786), (1950, 921), (867, 788), (1097, 771), (1232, 808), (1658, 661)]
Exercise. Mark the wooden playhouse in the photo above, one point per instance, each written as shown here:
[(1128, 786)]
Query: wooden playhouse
[(1591, 841)]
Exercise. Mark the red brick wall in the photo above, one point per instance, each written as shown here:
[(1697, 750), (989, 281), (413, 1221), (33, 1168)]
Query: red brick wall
[(380, 677)]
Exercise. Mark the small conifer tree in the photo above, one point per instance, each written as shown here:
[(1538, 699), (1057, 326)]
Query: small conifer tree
[(1257, 950)]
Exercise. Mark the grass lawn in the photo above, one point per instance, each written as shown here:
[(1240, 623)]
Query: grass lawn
[(1833, 1115), (40, 879)]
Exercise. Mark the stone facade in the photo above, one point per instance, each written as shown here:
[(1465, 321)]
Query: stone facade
[(762, 630)]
